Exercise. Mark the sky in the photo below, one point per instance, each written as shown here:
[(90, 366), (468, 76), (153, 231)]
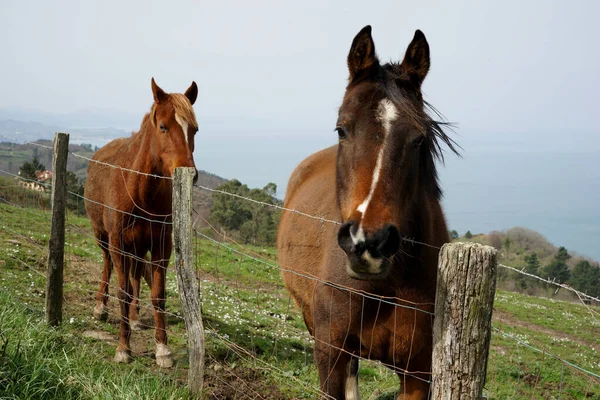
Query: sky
[(519, 79)]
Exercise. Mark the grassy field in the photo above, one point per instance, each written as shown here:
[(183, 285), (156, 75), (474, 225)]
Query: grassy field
[(257, 345)]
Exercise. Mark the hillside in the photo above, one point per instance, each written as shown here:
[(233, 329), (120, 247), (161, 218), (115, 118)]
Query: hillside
[(516, 245), (13, 156), (256, 340)]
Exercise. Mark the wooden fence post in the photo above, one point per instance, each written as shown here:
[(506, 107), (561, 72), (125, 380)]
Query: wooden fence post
[(56, 250), (466, 285), (186, 278)]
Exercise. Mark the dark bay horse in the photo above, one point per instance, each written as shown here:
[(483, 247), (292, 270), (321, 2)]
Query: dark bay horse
[(130, 209), (380, 180)]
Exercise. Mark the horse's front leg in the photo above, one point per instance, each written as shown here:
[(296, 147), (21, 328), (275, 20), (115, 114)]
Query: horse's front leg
[(125, 294), (415, 383), (138, 269), (332, 364), (101, 309), (160, 262)]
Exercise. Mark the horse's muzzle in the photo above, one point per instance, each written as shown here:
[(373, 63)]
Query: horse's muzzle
[(369, 254)]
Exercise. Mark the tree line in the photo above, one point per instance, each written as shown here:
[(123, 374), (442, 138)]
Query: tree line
[(530, 251), (249, 222), (584, 276)]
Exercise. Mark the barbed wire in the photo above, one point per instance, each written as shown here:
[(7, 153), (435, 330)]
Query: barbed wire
[(322, 219), (120, 167), (109, 247), (253, 255), (22, 143), (270, 367), (235, 346), (393, 367), (158, 221), (581, 295), (406, 239), (46, 184), (549, 281), (302, 213), (411, 373), (231, 345), (372, 296)]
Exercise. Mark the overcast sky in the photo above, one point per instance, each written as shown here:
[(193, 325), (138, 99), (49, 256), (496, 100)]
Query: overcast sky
[(519, 78), (522, 75), (497, 67)]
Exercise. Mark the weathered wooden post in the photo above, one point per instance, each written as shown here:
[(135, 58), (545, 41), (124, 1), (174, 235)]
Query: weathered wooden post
[(186, 278), (466, 285), (56, 253)]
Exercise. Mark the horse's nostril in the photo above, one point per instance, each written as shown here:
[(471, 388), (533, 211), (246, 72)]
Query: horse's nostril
[(389, 241), (345, 238)]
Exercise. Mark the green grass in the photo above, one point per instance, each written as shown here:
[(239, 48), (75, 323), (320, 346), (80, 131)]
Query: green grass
[(244, 302), (37, 362)]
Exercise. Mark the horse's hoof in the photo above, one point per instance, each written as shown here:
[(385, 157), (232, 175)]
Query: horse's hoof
[(164, 357), (136, 325), (101, 312), (122, 356)]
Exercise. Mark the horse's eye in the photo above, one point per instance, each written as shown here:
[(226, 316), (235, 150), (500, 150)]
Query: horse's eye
[(163, 129), (418, 141), (341, 133)]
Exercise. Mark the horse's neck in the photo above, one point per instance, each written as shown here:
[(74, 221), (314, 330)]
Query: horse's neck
[(140, 146), (148, 192)]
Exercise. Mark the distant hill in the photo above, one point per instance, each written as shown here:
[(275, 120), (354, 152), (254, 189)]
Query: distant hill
[(514, 246), (521, 242), (30, 131), (203, 198), (13, 156), (82, 118)]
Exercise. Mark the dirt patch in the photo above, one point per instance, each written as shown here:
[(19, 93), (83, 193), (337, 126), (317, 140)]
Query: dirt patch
[(509, 319), (224, 382)]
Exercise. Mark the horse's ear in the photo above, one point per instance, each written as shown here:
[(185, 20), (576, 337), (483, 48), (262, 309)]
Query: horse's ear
[(192, 93), (362, 57), (416, 61), (159, 94)]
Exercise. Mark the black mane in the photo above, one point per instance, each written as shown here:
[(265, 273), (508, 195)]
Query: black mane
[(409, 101)]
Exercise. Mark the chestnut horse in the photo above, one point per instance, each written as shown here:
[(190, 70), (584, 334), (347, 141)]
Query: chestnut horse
[(380, 180), (128, 200)]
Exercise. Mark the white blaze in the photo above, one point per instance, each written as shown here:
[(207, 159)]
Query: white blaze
[(184, 126), (386, 115)]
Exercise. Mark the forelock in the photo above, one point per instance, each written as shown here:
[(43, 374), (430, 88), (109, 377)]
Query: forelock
[(183, 108)]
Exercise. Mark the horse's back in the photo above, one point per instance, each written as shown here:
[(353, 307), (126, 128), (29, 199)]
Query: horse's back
[(303, 241), (113, 153)]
